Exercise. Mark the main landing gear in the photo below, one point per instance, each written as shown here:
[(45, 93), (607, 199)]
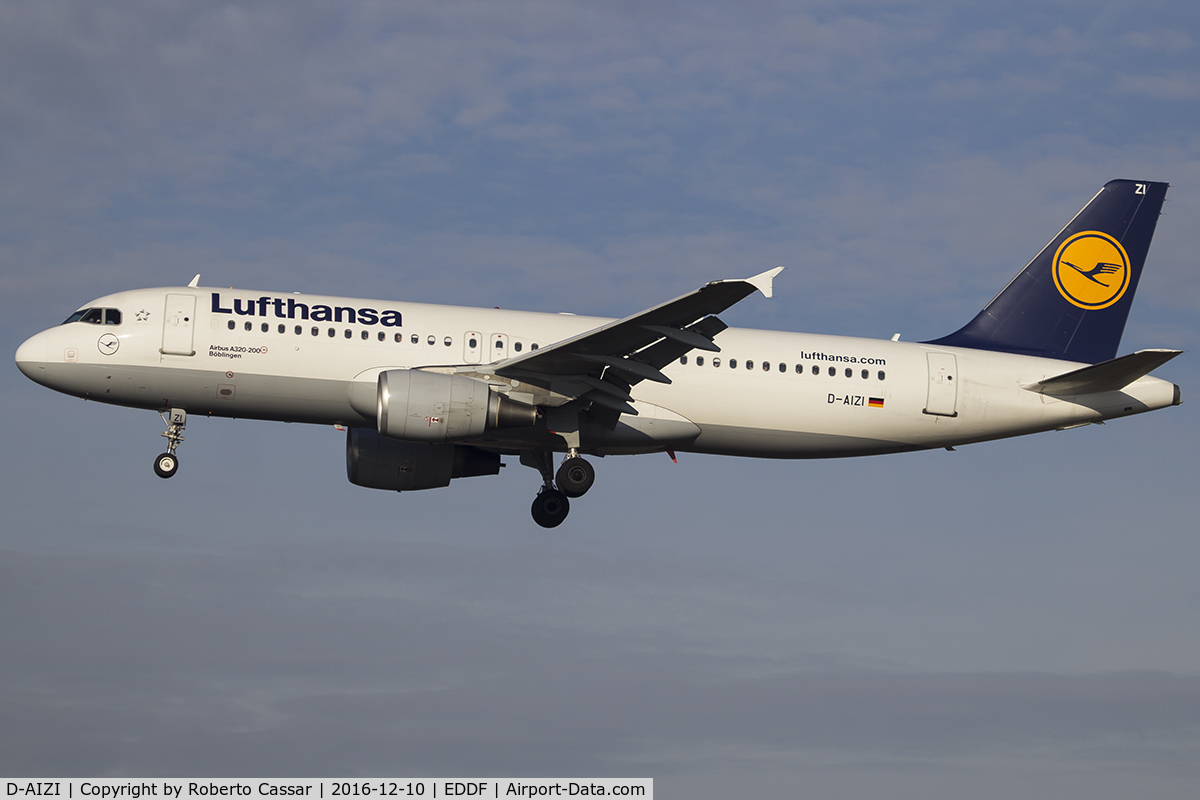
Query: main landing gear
[(550, 507), (574, 478), (166, 464)]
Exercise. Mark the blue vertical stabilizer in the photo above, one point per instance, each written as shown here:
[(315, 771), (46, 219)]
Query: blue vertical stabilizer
[(1072, 301)]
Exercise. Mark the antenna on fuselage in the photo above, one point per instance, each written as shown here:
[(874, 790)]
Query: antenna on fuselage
[(195, 281)]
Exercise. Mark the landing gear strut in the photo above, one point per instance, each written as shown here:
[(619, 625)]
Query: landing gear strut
[(167, 463)]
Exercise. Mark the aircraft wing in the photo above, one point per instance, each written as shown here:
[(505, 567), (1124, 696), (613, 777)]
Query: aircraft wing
[(601, 365), (1107, 376)]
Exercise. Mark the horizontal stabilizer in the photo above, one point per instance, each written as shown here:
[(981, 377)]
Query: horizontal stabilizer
[(1107, 376)]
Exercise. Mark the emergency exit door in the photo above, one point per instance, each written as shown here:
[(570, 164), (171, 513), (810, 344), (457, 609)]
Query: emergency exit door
[(472, 347), (499, 348)]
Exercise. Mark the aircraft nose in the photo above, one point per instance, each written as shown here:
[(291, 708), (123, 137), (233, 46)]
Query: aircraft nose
[(31, 354)]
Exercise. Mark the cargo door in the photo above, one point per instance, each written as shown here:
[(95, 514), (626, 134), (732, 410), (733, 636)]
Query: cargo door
[(178, 325), (943, 385)]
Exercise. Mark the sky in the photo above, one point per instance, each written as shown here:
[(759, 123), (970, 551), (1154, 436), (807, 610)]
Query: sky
[(1017, 618)]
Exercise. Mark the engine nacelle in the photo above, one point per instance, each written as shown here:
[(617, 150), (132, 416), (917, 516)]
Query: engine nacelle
[(377, 462), (420, 406)]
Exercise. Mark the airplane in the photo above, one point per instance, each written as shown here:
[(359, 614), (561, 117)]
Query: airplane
[(431, 393)]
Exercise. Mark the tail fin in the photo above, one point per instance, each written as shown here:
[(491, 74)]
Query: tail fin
[(1072, 301)]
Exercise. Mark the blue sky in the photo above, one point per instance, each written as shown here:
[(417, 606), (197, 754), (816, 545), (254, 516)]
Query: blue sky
[(1015, 617)]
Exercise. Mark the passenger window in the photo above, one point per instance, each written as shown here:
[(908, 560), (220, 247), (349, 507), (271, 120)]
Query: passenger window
[(881, 375), (448, 341), (283, 329), (93, 315), (332, 333), (315, 331), (749, 365), (112, 316), (716, 362), (415, 339), (799, 369), (849, 372), (516, 346), (816, 370), (733, 363), (473, 343), (866, 373), (430, 340), (299, 330), (766, 366), (382, 336), (249, 326), (232, 325), (782, 367), (348, 333), (699, 361), (365, 334), (683, 359), (399, 338), (533, 346), (265, 327), (833, 372)]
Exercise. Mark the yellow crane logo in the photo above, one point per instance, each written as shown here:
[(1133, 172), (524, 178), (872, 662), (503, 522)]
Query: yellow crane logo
[(1091, 270)]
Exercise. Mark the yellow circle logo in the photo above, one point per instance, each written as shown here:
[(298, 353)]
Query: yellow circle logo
[(1091, 270)]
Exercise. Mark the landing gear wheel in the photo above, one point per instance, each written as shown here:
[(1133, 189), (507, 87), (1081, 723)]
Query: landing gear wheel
[(165, 465), (550, 508), (575, 477)]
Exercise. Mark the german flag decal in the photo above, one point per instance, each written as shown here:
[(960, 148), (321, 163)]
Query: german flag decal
[(875, 402)]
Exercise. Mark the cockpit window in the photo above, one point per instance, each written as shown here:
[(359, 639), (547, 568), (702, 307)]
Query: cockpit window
[(96, 316)]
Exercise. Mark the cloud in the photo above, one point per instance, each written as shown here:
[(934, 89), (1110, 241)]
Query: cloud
[(1160, 39), (1180, 86)]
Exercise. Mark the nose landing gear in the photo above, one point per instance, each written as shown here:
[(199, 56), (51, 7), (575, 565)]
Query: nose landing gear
[(166, 464)]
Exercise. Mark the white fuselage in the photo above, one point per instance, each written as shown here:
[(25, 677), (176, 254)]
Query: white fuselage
[(277, 356)]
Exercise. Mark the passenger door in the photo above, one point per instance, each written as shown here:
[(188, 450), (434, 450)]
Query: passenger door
[(943, 385), (178, 325)]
